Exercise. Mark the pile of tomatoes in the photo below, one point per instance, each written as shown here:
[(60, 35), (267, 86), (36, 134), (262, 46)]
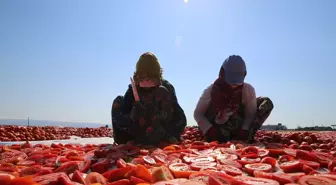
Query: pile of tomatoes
[(32, 133), (192, 133), (196, 163)]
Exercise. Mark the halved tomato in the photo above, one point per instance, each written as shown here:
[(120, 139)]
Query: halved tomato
[(290, 166), (121, 163), (269, 160), (246, 160), (161, 173), (68, 167), (290, 151), (315, 180), (94, 177), (254, 180), (227, 156), (149, 160), (263, 152), (250, 168), (231, 163), (180, 170), (261, 174), (231, 170), (78, 177), (6, 178), (202, 159), (198, 165), (311, 164)]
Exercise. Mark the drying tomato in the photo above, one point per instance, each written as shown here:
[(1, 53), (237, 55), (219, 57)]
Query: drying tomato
[(180, 170), (311, 164), (94, 177), (68, 167), (53, 177), (30, 170), (290, 166), (269, 160), (161, 174), (231, 170), (254, 180), (143, 173), (315, 180), (261, 174), (117, 174), (198, 165), (231, 163), (250, 168), (149, 160), (246, 160), (77, 176), (5, 178), (121, 163), (101, 166), (227, 156), (136, 180)]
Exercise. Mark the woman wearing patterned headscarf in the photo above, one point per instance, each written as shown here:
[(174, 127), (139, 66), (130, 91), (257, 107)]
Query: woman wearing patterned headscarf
[(229, 109), (148, 113)]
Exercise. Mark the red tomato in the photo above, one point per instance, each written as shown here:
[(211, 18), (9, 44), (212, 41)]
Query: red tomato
[(149, 160), (246, 160), (78, 177), (179, 167), (290, 166), (253, 180), (315, 180), (68, 167), (5, 178), (121, 163), (198, 165), (231, 170), (261, 174), (227, 156), (121, 182), (53, 177), (289, 151), (94, 177), (263, 152), (250, 168), (200, 177), (202, 159), (311, 164), (101, 166), (161, 173), (160, 157), (305, 155), (269, 160), (322, 158), (231, 163)]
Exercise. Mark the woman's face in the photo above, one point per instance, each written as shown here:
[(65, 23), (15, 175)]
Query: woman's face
[(146, 83)]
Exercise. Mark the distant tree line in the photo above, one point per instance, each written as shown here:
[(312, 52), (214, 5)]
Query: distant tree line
[(316, 128)]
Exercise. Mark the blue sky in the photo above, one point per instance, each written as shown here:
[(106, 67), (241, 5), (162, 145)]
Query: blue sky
[(67, 60)]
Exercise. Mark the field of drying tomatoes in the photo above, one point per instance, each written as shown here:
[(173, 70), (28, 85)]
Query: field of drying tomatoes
[(33, 133), (277, 158)]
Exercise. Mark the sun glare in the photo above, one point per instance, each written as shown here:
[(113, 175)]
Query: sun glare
[(185, 1)]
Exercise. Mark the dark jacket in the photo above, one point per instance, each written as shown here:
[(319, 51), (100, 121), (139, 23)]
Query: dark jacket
[(158, 110)]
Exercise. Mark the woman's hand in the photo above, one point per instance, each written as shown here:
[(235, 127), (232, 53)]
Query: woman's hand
[(135, 91)]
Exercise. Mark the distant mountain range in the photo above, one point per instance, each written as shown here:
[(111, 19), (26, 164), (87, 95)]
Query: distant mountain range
[(23, 122)]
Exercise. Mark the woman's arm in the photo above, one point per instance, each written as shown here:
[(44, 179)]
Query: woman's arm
[(201, 108), (250, 104)]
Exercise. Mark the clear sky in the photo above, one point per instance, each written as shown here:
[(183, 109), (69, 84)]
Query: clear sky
[(67, 60)]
